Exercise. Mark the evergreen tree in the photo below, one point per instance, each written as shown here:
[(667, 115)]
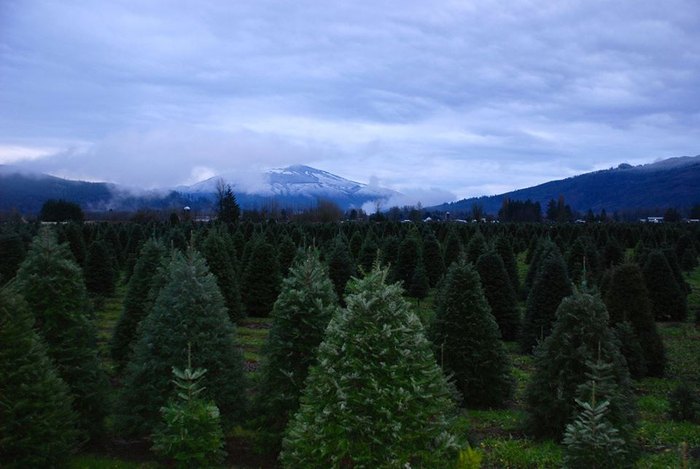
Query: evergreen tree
[(261, 279), (432, 259), (499, 294), (37, 424), (221, 264), (227, 209), (368, 253), (467, 340), (376, 398), (99, 269), (627, 300), (340, 265), (409, 255), (668, 302), (52, 284), (476, 247), (189, 313), (550, 287), (580, 335), (355, 244), (389, 251), (420, 284), (286, 252), (545, 247), (137, 302), (505, 250), (299, 318), (12, 253), (631, 349), (73, 235), (453, 248)]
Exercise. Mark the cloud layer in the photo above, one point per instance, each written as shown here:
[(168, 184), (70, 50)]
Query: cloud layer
[(470, 98)]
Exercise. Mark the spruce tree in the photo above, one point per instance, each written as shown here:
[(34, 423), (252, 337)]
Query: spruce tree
[(340, 265), (189, 313), (220, 263), (499, 294), (580, 335), (299, 318), (467, 340), (432, 259), (376, 399), (627, 300), (52, 284), (261, 278), (137, 302), (99, 269), (550, 287), (37, 424), (668, 301)]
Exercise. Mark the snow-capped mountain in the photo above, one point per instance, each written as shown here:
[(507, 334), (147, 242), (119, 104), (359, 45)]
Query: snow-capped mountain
[(296, 185)]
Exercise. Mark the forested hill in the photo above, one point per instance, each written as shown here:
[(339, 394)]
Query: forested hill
[(674, 182)]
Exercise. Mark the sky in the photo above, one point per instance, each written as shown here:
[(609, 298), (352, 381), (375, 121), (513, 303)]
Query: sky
[(439, 100)]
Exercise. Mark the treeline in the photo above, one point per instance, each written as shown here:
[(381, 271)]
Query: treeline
[(351, 375)]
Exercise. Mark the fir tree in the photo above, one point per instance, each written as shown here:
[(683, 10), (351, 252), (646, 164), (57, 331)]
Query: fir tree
[(261, 279), (218, 257), (453, 248), (627, 300), (409, 255), (467, 340), (189, 311), (551, 286), (580, 335), (99, 269), (505, 250), (668, 301), (340, 265), (420, 285), (286, 252), (376, 398), (137, 302), (476, 247), (499, 294), (631, 349), (52, 284), (73, 235), (355, 244), (545, 247), (12, 253), (37, 424), (432, 259), (368, 253), (227, 209), (300, 316)]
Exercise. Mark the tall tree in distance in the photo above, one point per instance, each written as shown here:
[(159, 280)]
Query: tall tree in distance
[(500, 294), (668, 300), (227, 209), (261, 278)]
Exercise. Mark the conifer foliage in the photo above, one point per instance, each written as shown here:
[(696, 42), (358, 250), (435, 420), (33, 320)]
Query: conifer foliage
[(668, 301), (99, 270), (189, 310), (467, 340), (376, 398), (52, 284), (222, 265), (299, 318), (261, 278), (500, 294), (37, 424)]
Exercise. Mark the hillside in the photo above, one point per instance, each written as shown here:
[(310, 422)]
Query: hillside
[(674, 182)]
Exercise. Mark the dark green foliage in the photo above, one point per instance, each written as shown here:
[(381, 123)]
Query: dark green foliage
[(221, 264), (591, 441), (137, 302), (37, 424), (668, 301), (299, 318), (613, 254), (467, 340), (505, 250), (499, 294), (261, 278), (389, 250), (580, 335), (684, 402), (368, 253), (340, 265), (73, 235), (689, 260), (12, 254), (476, 247), (286, 251), (432, 259), (190, 433), (550, 287), (60, 210), (376, 399), (675, 266), (227, 209), (420, 285), (545, 247), (99, 269), (453, 248), (627, 300), (583, 256), (189, 312), (409, 256), (355, 244), (52, 284), (631, 349)]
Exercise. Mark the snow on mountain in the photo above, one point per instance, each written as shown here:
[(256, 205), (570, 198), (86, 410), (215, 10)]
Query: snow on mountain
[(295, 185)]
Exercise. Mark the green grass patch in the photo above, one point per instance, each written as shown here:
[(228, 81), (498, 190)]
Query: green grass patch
[(496, 421), (682, 343), (670, 458), (89, 461), (517, 454), (693, 278), (653, 407), (668, 434)]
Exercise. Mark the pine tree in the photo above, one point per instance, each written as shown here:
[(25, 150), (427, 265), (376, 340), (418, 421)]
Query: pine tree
[(300, 316), (189, 311), (227, 209), (591, 441), (580, 335), (99, 269), (550, 287), (53, 286), (467, 340), (220, 263), (668, 301), (505, 250), (340, 265), (476, 247), (432, 259), (376, 398), (137, 302), (499, 294), (37, 424), (627, 300), (261, 279)]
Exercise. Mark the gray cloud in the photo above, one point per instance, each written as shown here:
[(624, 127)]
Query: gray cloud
[(468, 97)]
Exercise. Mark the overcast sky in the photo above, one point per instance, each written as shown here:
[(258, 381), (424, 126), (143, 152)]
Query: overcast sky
[(440, 100)]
